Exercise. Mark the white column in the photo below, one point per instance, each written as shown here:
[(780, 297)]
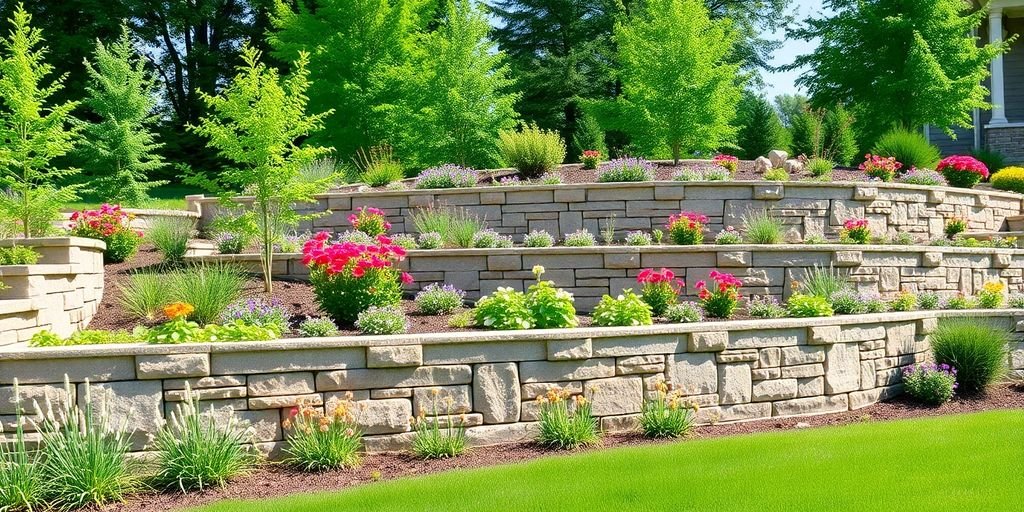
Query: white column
[(995, 36)]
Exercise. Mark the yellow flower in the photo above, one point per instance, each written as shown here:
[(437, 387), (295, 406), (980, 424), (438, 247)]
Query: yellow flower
[(178, 309), (994, 286)]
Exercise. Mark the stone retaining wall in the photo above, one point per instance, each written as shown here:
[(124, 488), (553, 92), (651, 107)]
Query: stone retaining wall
[(808, 208), (143, 218), (736, 371), (590, 272), (60, 293)]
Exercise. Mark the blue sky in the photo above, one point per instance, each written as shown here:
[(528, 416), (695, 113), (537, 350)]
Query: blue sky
[(782, 83)]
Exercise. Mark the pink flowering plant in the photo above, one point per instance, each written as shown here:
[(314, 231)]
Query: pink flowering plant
[(370, 220), (727, 162), (881, 167), (719, 301), (350, 277), (659, 289), (855, 231), (962, 171), (687, 228), (591, 158), (931, 383), (110, 224)]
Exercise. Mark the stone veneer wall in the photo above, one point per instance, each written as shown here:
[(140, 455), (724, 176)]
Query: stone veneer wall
[(60, 293), (590, 272), (736, 371), (1008, 140), (807, 208)]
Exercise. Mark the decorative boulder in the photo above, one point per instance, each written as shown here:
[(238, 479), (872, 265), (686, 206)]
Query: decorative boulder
[(793, 166), (777, 157), (762, 164)]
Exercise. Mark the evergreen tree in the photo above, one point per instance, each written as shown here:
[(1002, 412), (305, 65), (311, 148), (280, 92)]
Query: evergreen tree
[(34, 131), (353, 46), (838, 136), (679, 92), (760, 130), (119, 150), (589, 135), (458, 94), (256, 122), (899, 63)]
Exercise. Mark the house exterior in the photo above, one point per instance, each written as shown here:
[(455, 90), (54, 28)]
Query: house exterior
[(1001, 128)]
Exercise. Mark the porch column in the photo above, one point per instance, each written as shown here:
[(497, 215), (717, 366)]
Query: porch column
[(995, 36)]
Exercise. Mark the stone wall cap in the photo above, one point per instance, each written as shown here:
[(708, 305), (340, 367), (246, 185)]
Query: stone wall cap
[(61, 241)]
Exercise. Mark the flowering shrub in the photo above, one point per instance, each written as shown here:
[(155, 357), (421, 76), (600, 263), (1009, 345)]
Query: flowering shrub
[(551, 307), (509, 181), (566, 420), (258, 311), (505, 309), (431, 440), (319, 441), (659, 289), (348, 278), (580, 238), (538, 238), (728, 236), (430, 240), (111, 225), (490, 239), (1016, 301), (627, 309), (639, 238), (684, 313), (958, 301), (847, 302), (177, 329), (1009, 178), (928, 300), (930, 383), (919, 176), (438, 299), (667, 414), (962, 171), (369, 220), (687, 228), (855, 231), (626, 169), (317, 328), (590, 158), (727, 162), (955, 226), (447, 176), (904, 301), (721, 301), (765, 307), (991, 295), (880, 167), (382, 320), (405, 241)]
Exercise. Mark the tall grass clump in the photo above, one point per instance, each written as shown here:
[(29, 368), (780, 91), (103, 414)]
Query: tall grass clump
[(21, 480), (195, 453), (378, 167), (321, 442), (434, 441), (210, 289), (566, 420), (909, 148), (760, 227), (457, 226), (823, 282), (531, 150), (976, 348), (170, 235), (144, 294), (84, 453), (667, 415)]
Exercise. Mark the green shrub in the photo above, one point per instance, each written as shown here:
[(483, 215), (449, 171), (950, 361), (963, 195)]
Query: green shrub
[(378, 167), (873, 303), (210, 289), (977, 349), (776, 174), (538, 238), (1016, 301), (566, 421), (659, 289), (580, 238), (760, 227), (928, 300), (382, 320), (85, 337), (990, 157), (684, 313), (430, 241), (847, 302), (170, 235), (505, 309), (21, 480), (112, 225), (237, 330), (462, 319), (436, 299), (905, 301), (626, 170), (195, 453), (405, 241), (666, 415), (991, 294), (531, 150), (728, 236), (317, 328), (490, 239), (687, 228), (1009, 178), (18, 255), (550, 307), (431, 440), (83, 453), (819, 167), (323, 440), (259, 312), (804, 306), (765, 307), (909, 148), (822, 282), (456, 226), (628, 309), (144, 294), (958, 301), (351, 290), (930, 383)]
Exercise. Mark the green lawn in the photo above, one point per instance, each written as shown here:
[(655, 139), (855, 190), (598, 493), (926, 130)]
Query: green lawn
[(963, 463), (165, 197)]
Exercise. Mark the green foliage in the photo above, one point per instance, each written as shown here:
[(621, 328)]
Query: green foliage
[(119, 150), (47, 338), (638, 238), (378, 167), (430, 240), (667, 415), (928, 301), (170, 235), (822, 282), (36, 131), (457, 226), (899, 66), (679, 90), (760, 129), (958, 301), (382, 320), (628, 309), (490, 239), (566, 422), (625, 170), (210, 289), (765, 307), (195, 452), (580, 238), (343, 296), (803, 306), (317, 328), (776, 174), (875, 304), (909, 148), (551, 307), (929, 384), (531, 150), (790, 107), (904, 301), (992, 158), (143, 294), (847, 302), (978, 351), (18, 255), (321, 442), (21, 481), (505, 309), (819, 167), (684, 313), (760, 227), (256, 122), (180, 330), (462, 319), (1009, 178), (538, 238), (434, 441), (838, 135), (438, 299), (589, 136)]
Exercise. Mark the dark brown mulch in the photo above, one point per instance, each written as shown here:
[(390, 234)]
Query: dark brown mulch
[(277, 480)]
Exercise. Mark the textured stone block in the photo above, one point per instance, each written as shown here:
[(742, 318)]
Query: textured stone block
[(734, 259), (496, 392), (848, 258), (734, 383), (44, 371), (802, 354), (802, 371), (554, 371), (768, 357), (395, 356), (172, 366), (775, 389), (810, 386), (842, 368), (823, 334), (140, 403), (275, 384), (384, 416), (617, 395), (228, 363), (459, 397), (640, 364), (56, 394), (713, 341), (342, 380), (283, 401), (766, 373), (487, 435), (694, 374), (736, 356), (560, 350), (488, 352), (810, 405)]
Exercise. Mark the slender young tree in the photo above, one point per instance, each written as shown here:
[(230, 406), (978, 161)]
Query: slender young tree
[(256, 122), (120, 150), (679, 92), (760, 130), (34, 131)]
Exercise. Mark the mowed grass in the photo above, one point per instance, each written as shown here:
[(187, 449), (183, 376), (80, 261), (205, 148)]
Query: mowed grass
[(164, 197), (967, 462)]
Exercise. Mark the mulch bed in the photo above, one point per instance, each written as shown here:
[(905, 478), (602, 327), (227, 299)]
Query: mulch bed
[(277, 480), (665, 172)]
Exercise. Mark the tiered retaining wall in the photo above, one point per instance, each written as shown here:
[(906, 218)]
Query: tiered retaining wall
[(590, 272), (807, 208), (736, 371), (60, 293)]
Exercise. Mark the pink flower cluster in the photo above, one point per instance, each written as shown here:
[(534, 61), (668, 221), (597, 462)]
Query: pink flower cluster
[(351, 258), (727, 283), (369, 217), (963, 163), (882, 167), (692, 220), (104, 222), (855, 224), (591, 153), (727, 161), (651, 276)]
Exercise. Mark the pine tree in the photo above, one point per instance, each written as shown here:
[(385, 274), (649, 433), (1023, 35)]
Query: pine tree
[(589, 135), (34, 131), (839, 138), (679, 92), (120, 150), (760, 130), (256, 122)]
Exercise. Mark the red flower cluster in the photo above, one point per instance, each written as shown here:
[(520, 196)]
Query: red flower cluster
[(877, 166), (729, 162), (368, 217), (725, 282), (591, 153), (963, 163), (855, 224), (352, 258), (692, 220), (104, 222), (651, 276)]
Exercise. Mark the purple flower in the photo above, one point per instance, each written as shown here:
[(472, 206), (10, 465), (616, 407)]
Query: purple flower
[(447, 176)]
